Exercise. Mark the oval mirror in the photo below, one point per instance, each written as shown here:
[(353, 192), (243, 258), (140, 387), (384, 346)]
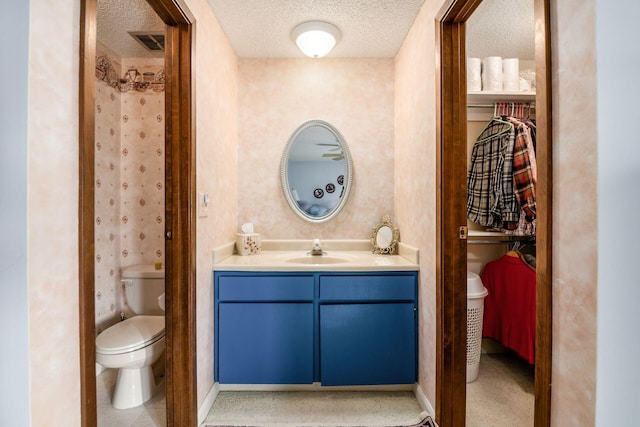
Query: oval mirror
[(384, 237), (316, 171)]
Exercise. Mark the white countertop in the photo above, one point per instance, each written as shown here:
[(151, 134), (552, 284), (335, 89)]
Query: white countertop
[(354, 255)]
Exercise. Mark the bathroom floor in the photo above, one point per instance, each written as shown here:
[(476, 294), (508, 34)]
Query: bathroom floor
[(503, 395), (151, 414)]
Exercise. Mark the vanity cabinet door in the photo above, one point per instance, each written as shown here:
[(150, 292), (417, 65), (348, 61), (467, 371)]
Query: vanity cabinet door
[(364, 344), (265, 343)]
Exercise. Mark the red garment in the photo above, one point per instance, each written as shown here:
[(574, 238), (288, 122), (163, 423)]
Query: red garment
[(510, 307)]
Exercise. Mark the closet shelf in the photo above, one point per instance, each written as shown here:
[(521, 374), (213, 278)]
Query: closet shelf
[(480, 233), (493, 97)]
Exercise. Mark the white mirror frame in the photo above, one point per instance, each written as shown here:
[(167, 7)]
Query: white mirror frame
[(284, 175)]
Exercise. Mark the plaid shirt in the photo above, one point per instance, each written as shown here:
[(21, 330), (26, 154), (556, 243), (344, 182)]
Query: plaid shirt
[(491, 200), (523, 179)]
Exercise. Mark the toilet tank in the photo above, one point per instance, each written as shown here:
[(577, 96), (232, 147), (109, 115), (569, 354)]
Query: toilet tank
[(143, 284)]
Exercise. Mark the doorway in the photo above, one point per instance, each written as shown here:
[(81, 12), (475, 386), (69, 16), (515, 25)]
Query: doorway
[(179, 149), (451, 215)]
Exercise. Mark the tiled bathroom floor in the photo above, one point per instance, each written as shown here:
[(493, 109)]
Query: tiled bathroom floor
[(151, 414)]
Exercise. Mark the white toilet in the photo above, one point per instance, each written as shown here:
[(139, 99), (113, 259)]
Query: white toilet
[(134, 344)]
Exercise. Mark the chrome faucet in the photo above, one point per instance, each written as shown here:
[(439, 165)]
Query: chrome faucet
[(317, 248)]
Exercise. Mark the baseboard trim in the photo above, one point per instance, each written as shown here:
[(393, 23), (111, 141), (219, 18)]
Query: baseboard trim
[(423, 401), (208, 403)]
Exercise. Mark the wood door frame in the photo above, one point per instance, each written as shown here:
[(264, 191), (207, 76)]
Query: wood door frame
[(180, 250), (451, 213)]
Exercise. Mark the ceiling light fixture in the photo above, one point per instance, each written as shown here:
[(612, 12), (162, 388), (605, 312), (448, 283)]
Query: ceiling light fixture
[(315, 38)]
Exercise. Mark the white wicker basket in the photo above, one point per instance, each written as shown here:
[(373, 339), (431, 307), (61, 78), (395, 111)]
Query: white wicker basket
[(475, 311)]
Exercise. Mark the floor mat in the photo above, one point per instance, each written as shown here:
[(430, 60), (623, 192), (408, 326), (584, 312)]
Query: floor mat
[(425, 422)]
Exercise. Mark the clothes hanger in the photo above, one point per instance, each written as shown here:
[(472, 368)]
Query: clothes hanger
[(514, 251), (498, 108)]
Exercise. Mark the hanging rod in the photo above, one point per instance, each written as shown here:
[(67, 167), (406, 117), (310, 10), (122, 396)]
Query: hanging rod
[(529, 105), (521, 239), (488, 242)]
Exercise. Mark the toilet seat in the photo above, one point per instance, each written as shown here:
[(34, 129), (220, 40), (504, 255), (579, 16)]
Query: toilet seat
[(130, 335)]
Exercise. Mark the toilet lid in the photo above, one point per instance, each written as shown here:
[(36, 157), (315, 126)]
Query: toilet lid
[(135, 332)]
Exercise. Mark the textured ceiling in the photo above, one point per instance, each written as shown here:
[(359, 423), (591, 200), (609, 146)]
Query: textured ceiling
[(117, 17), (262, 28), (370, 28), (501, 28)]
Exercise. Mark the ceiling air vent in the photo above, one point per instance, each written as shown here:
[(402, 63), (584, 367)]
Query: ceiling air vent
[(151, 41)]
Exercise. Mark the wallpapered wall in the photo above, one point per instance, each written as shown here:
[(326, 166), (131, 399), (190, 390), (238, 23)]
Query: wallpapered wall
[(129, 168), (275, 96)]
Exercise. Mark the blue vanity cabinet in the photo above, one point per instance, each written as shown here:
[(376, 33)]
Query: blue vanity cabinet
[(264, 328), (336, 328), (368, 329)]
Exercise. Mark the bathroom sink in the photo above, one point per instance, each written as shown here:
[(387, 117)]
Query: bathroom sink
[(317, 260)]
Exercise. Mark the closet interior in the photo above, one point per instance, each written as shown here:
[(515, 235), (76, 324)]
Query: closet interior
[(501, 211)]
